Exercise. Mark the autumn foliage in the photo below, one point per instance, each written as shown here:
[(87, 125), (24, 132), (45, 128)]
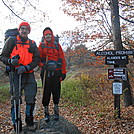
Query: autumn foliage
[(86, 101), (95, 28)]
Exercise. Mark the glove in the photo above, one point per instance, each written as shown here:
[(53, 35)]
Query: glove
[(7, 70), (63, 76), (23, 69), (28, 67), (13, 62)]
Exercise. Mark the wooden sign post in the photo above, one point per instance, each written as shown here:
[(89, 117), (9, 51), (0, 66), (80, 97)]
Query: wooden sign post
[(116, 58)]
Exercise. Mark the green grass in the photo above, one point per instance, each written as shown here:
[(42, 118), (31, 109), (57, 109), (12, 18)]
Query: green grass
[(82, 88), (4, 93), (39, 83), (71, 90)]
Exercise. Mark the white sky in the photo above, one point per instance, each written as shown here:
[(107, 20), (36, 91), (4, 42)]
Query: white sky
[(59, 23)]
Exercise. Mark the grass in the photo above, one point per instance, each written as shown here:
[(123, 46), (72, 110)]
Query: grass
[(83, 88), (39, 83), (72, 90), (4, 93), (80, 88)]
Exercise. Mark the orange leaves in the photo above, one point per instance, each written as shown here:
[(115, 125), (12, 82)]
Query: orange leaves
[(69, 53), (92, 54), (5, 122), (123, 26), (97, 35)]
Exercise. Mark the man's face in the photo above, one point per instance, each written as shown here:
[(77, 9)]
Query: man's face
[(48, 37), (24, 31)]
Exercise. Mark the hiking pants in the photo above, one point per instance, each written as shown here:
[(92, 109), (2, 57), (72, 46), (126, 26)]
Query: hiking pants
[(52, 85), (28, 83)]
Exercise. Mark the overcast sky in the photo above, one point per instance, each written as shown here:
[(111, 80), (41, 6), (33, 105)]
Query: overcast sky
[(59, 21)]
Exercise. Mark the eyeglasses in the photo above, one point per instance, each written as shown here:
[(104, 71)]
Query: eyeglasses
[(23, 28)]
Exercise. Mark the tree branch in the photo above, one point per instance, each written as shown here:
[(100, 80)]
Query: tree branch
[(126, 19), (12, 11), (126, 5)]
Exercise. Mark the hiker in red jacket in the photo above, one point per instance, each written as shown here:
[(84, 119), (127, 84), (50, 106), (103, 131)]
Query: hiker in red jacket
[(21, 55), (53, 71)]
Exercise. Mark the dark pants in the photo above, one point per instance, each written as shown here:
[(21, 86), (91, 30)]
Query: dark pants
[(52, 85), (29, 85)]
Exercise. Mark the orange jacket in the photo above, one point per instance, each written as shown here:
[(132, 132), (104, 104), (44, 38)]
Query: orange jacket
[(53, 53), (22, 50)]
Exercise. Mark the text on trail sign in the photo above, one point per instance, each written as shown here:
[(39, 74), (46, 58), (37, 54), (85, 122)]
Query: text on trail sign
[(116, 60), (117, 88), (114, 52), (117, 73)]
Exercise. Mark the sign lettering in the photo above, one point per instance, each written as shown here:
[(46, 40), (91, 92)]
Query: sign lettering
[(117, 73), (114, 52), (116, 60)]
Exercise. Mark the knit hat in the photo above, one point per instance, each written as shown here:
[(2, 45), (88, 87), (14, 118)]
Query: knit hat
[(25, 24)]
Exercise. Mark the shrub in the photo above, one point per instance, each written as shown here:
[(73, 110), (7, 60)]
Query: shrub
[(86, 88)]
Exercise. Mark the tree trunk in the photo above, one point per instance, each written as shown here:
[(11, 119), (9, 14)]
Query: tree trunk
[(118, 46)]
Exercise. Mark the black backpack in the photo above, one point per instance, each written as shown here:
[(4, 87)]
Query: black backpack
[(11, 33)]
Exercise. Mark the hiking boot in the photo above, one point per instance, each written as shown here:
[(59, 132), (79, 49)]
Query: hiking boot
[(56, 112), (46, 112), (30, 124)]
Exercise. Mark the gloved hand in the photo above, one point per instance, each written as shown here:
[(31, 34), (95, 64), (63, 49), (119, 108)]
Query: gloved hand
[(63, 76), (28, 67), (13, 62), (23, 69)]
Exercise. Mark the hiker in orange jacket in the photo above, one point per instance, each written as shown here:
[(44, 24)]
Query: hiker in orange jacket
[(22, 56), (53, 65)]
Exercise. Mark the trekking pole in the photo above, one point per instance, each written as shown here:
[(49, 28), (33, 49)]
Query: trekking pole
[(14, 101), (17, 106), (44, 76), (19, 115), (43, 85)]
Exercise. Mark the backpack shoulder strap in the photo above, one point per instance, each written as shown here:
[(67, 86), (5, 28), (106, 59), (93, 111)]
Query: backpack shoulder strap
[(42, 45), (55, 43), (31, 42)]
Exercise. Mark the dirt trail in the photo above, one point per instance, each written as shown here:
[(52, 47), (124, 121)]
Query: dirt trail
[(6, 125), (88, 119)]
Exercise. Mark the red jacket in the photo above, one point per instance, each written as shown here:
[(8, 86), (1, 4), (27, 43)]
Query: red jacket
[(53, 53), (22, 50)]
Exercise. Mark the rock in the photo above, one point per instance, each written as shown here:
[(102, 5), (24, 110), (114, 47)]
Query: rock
[(53, 127)]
